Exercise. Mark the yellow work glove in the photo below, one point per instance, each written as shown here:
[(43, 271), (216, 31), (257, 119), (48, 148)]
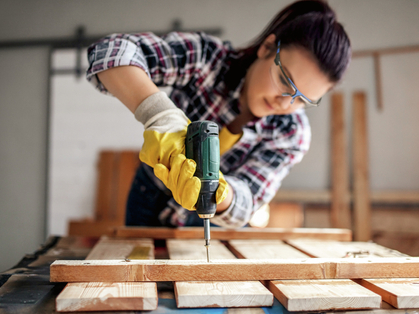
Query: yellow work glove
[(184, 185), (165, 128), (227, 139)]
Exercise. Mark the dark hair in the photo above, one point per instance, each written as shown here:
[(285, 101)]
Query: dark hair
[(310, 24)]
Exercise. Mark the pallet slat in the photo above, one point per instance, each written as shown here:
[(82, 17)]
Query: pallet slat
[(307, 295), (214, 293), (239, 269), (402, 293), (108, 296), (322, 295), (232, 234)]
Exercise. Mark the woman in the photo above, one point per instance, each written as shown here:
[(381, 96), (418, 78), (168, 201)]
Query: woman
[(257, 96)]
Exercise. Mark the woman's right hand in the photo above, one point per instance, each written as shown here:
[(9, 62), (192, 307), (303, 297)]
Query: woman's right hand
[(165, 128)]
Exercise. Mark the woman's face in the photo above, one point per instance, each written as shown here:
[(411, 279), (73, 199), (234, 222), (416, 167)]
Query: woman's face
[(262, 97)]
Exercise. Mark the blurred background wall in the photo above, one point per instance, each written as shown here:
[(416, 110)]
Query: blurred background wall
[(60, 122)]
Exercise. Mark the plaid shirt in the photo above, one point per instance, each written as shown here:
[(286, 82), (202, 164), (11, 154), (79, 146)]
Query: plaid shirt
[(194, 65)]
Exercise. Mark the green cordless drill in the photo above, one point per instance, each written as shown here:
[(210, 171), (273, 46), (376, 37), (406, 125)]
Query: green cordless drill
[(203, 146)]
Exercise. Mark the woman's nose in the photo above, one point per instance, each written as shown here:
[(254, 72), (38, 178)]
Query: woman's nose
[(284, 102)]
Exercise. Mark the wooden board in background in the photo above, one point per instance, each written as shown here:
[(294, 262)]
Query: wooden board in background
[(108, 296), (402, 293), (197, 294), (340, 204), (230, 234), (360, 166)]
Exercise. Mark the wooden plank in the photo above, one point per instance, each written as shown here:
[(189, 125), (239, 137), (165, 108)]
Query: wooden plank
[(127, 165), (234, 270), (195, 250), (332, 249), (325, 196), (362, 208), (264, 249), (105, 185), (230, 234), (91, 228), (222, 294), (214, 293), (116, 249), (306, 295), (321, 295), (402, 293), (378, 81), (340, 208), (107, 296)]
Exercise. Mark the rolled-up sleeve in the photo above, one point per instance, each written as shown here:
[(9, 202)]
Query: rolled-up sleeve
[(170, 60)]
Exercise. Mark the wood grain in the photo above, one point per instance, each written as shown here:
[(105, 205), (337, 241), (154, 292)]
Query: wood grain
[(402, 293), (307, 295), (222, 294), (320, 295), (126, 168), (361, 189), (331, 249), (234, 270), (105, 185), (107, 296), (264, 249), (230, 234), (340, 208), (116, 249), (214, 293), (195, 250)]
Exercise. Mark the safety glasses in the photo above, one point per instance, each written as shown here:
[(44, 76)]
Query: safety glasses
[(286, 86)]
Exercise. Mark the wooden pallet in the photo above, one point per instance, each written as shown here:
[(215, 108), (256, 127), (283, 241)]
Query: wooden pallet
[(303, 274)]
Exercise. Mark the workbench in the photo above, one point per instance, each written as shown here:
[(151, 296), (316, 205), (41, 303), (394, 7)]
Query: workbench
[(26, 288)]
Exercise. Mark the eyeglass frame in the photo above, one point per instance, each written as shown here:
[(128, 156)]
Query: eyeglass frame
[(307, 102)]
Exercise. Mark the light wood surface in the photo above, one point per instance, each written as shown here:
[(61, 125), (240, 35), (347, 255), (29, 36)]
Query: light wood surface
[(402, 293), (107, 296), (111, 295), (230, 234), (340, 208), (320, 295), (264, 249), (307, 295), (331, 249), (214, 293), (222, 294), (360, 166), (115, 249), (195, 250), (234, 270)]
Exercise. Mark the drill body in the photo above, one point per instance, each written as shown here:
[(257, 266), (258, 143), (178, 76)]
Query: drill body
[(203, 146)]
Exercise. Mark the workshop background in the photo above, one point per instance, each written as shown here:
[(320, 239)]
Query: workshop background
[(53, 123)]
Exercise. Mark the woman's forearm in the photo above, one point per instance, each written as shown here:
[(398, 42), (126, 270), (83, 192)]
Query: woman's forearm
[(130, 84)]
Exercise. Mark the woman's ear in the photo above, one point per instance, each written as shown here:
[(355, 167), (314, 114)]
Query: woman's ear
[(267, 47)]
